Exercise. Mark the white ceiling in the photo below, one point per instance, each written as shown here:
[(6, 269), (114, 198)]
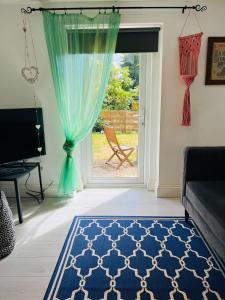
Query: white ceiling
[(135, 2), (45, 2), (55, 1)]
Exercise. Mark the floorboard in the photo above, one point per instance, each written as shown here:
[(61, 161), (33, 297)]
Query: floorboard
[(24, 275)]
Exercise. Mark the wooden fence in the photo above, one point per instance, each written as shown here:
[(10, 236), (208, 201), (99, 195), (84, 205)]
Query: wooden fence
[(121, 119)]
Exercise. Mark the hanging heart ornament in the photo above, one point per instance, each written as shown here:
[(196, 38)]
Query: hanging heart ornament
[(30, 74)]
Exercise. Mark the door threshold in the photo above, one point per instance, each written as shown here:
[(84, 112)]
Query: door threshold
[(115, 185)]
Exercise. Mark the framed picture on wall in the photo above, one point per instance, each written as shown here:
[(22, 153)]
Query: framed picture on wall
[(215, 65)]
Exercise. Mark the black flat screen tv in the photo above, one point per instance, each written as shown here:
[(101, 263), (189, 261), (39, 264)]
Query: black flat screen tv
[(21, 134)]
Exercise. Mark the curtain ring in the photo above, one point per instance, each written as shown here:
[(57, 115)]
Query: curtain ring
[(54, 11), (65, 10), (99, 11), (81, 13), (105, 11)]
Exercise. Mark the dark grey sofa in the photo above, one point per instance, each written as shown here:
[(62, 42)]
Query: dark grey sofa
[(203, 193)]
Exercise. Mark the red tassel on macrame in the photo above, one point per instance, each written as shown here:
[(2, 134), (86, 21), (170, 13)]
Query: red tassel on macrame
[(189, 48)]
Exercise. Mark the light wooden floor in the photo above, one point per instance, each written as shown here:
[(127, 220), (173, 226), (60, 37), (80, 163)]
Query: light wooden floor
[(24, 275)]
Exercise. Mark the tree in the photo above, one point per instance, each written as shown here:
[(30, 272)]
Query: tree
[(120, 92), (131, 60)]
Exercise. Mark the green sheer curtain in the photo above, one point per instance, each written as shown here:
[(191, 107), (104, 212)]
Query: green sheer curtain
[(80, 51)]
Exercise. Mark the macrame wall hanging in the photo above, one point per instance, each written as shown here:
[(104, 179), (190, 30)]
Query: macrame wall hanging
[(30, 71), (189, 49)]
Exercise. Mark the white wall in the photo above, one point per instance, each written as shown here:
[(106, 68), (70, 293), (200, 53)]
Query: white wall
[(16, 92), (208, 102)]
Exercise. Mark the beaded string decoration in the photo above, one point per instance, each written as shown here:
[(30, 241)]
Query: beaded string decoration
[(29, 72), (189, 49)]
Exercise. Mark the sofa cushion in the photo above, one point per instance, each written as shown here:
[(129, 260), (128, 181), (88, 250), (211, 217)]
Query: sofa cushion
[(208, 198)]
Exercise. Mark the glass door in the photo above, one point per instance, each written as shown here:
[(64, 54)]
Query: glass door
[(115, 148)]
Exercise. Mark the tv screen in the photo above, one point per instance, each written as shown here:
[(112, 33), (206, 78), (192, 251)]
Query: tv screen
[(21, 134)]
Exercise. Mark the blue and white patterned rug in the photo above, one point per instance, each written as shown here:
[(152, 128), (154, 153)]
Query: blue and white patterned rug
[(135, 258)]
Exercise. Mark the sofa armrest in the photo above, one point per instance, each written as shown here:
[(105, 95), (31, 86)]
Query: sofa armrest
[(203, 164)]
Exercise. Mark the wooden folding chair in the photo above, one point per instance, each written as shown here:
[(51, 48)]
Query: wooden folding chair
[(122, 152)]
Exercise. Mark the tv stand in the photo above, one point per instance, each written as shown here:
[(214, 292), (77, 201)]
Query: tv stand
[(12, 172)]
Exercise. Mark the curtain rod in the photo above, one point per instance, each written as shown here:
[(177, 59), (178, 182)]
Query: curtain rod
[(197, 8)]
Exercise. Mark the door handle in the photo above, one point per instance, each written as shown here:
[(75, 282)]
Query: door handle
[(141, 116)]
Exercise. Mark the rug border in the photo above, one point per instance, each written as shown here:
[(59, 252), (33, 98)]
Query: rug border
[(216, 257), (50, 284), (71, 228)]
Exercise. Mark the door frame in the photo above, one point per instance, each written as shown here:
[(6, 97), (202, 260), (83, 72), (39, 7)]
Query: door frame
[(152, 123)]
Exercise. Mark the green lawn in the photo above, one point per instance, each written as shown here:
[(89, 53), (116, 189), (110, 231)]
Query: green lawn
[(102, 150)]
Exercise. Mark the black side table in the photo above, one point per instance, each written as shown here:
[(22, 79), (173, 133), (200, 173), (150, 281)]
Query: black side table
[(12, 172)]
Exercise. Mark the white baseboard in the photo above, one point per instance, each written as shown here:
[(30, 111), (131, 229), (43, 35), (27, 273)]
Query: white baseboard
[(162, 190), (168, 191), (9, 189)]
